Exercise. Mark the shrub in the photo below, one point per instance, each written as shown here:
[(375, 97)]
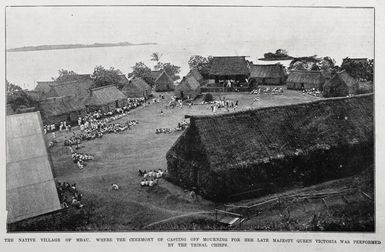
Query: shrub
[(208, 97)]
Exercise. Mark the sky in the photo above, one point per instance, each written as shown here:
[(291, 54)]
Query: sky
[(321, 28)]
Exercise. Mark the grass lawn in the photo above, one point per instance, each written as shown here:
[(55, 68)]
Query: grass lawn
[(119, 156)]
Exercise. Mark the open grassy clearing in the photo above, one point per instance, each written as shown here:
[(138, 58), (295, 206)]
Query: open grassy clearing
[(119, 156)]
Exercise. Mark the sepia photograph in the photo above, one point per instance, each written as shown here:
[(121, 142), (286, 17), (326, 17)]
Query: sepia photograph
[(190, 118)]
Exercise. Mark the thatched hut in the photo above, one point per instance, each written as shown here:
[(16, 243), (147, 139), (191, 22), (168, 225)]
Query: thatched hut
[(229, 68), (341, 84), (269, 149), (164, 83), (273, 74), (305, 80), (136, 87), (197, 75), (80, 88), (189, 87), (31, 189), (58, 109), (105, 98)]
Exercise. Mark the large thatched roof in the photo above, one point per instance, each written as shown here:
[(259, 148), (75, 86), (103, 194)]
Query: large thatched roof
[(196, 74), (164, 82), (245, 138), (79, 88), (131, 90), (56, 106), (313, 77), (267, 71), (31, 189), (104, 95), (229, 66)]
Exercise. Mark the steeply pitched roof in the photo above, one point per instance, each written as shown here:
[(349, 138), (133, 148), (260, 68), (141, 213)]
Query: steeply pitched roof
[(196, 74), (140, 83), (155, 74), (267, 71), (43, 86), (188, 83), (314, 77), (347, 79), (131, 90), (229, 65), (249, 137), (104, 95), (31, 189)]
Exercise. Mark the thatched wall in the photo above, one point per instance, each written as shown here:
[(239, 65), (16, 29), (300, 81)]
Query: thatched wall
[(235, 153)]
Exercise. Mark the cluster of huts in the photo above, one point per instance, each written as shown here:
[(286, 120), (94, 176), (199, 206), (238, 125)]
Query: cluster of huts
[(236, 73), (67, 100)]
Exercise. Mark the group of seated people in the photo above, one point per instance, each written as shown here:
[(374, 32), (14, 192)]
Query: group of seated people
[(181, 126), (69, 195), (80, 158), (313, 92), (151, 178), (267, 90)]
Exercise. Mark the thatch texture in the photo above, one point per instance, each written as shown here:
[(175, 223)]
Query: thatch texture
[(229, 66), (136, 87), (164, 83), (79, 88), (31, 189), (59, 109), (273, 74), (105, 98), (341, 84), (188, 87), (303, 143), (305, 80), (197, 75)]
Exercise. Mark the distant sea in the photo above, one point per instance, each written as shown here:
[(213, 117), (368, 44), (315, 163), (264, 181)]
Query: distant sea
[(25, 68)]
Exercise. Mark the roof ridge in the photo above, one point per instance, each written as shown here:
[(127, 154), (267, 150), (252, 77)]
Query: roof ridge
[(278, 106)]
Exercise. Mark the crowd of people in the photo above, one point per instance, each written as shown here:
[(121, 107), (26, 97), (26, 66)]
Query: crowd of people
[(69, 195), (64, 125), (80, 158), (181, 126), (313, 92), (151, 177), (268, 90)]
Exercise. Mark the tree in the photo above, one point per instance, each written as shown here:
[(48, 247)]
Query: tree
[(104, 77), (171, 70), (65, 75), (312, 63), (359, 70), (281, 52), (156, 57), (12, 88), (201, 63), (142, 71)]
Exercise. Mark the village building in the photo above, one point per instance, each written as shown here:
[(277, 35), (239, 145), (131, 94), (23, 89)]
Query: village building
[(256, 152), (164, 83), (341, 84), (233, 68), (31, 189), (189, 87), (105, 98), (197, 75), (136, 88), (301, 80), (80, 88), (59, 109), (273, 74)]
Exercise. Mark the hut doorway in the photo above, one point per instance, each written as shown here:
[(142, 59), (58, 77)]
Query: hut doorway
[(181, 95), (117, 103), (302, 86)]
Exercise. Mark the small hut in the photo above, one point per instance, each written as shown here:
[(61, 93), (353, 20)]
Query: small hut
[(305, 80), (136, 87), (273, 74), (229, 68), (164, 83), (341, 84), (105, 98), (189, 87), (256, 152)]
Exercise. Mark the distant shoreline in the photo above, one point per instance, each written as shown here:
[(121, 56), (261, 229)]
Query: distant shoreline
[(73, 46), (275, 59)]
